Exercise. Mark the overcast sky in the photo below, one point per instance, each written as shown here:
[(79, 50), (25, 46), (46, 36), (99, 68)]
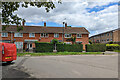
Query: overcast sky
[(97, 17)]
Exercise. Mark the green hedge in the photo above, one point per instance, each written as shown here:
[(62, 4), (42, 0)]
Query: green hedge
[(95, 47), (44, 47), (48, 47), (112, 47), (70, 48)]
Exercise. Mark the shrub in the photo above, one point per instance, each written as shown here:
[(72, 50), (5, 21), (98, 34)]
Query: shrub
[(95, 48), (54, 41), (90, 42), (48, 47), (44, 47), (112, 47)]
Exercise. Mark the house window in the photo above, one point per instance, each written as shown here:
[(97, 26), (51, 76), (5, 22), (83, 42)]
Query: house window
[(67, 35), (68, 42), (31, 34), (111, 33), (18, 35), (4, 34), (56, 35), (44, 34), (19, 45), (107, 39), (107, 34), (79, 35)]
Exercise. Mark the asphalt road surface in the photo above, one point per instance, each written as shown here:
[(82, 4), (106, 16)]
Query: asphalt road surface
[(77, 66)]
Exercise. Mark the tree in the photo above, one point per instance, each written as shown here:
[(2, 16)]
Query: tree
[(90, 41), (8, 8), (73, 39), (55, 41)]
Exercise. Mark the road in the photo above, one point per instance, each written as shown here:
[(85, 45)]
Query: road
[(77, 66)]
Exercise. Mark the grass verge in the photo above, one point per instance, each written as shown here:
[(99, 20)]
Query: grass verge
[(58, 53), (116, 50)]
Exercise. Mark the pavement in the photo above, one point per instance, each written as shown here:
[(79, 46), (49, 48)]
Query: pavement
[(72, 66)]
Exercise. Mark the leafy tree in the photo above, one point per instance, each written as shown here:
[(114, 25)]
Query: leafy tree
[(8, 8), (55, 41), (90, 41), (73, 39)]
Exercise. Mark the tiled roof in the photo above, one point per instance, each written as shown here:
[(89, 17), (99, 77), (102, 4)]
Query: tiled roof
[(42, 29)]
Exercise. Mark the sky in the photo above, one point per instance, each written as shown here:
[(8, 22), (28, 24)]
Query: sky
[(96, 17)]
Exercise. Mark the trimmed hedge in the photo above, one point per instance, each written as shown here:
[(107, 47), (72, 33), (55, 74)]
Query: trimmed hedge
[(112, 47), (95, 47), (48, 47), (44, 47), (70, 48)]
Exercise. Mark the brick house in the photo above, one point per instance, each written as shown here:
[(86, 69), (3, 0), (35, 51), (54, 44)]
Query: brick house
[(106, 37), (25, 38)]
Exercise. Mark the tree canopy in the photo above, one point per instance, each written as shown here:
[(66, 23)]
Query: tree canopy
[(8, 8)]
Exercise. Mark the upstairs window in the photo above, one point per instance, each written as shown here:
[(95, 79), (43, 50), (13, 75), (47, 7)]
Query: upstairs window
[(56, 35), (4, 34), (31, 34), (79, 35), (67, 35), (18, 35), (107, 39), (44, 34)]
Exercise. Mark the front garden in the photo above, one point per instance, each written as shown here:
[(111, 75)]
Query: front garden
[(58, 53), (43, 49)]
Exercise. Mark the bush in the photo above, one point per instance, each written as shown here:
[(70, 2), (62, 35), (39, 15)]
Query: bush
[(70, 48), (54, 41), (112, 47), (48, 47), (95, 47), (44, 47)]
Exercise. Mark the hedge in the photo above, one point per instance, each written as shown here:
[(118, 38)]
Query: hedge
[(112, 47), (70, 48), (95, 47), (48, 47), (44, 47)]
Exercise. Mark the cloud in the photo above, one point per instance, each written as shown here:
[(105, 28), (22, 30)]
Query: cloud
[(76, 14)]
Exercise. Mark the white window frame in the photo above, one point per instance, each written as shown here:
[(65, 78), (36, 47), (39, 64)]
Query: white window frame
[(44, 35), (4, 35), (30, 34), (68, 42), (19, 45), (79, 37), (56, 35), (108, 39), (68, 34), (17, 35)]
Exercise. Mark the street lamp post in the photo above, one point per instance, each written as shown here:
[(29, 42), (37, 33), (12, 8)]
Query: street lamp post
[(63, 32)]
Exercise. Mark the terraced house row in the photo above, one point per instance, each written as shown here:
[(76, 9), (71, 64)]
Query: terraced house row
[(113, 35), (25, 39)]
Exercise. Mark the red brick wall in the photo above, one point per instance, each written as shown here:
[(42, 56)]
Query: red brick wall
[(84, 39)]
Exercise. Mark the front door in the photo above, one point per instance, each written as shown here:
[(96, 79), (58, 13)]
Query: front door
[(29, 45)]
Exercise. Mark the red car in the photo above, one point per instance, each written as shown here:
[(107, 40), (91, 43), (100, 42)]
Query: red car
[(8, 52)]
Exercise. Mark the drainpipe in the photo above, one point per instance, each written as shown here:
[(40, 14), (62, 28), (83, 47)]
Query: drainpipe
[(11, 37)]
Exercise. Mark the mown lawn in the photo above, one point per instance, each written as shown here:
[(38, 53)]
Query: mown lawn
[(58, 53), (117, 51)]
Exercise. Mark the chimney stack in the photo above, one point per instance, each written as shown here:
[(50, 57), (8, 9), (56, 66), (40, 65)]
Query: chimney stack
[(65, 25), (44, 24)]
